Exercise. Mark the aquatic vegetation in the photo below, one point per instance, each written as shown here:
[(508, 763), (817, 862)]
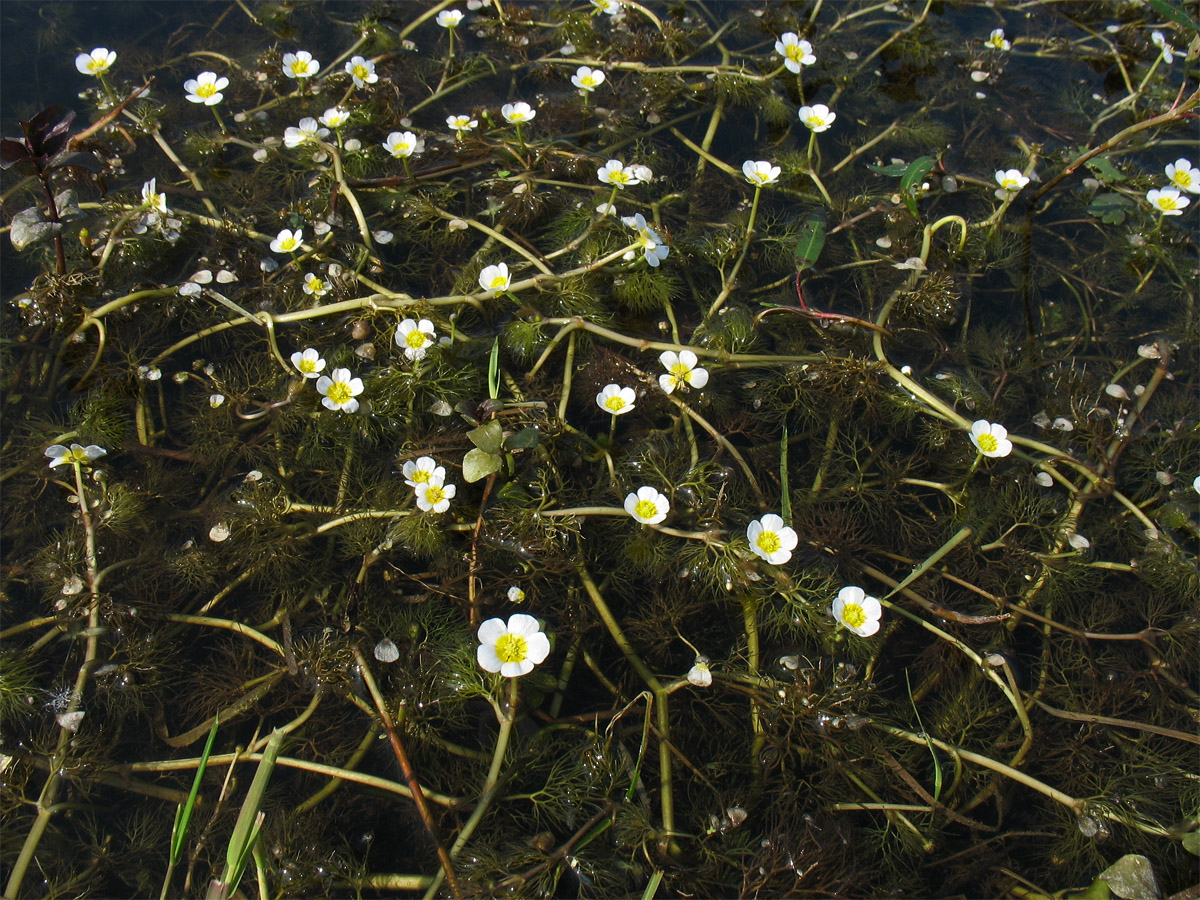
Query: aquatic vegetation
[(293, 430)]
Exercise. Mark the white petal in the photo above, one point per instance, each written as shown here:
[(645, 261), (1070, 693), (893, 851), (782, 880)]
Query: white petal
[(698, 378), (524, 625), (538, 648), (491, 631), (488, 660), (851, 594)]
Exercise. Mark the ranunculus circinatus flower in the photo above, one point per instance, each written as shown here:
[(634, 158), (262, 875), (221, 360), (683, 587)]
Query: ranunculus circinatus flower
[(511, 649)]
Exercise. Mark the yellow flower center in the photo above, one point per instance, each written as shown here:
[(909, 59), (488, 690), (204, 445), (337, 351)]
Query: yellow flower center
[(794, 52), (588, 81), (1011, 184), (361, 73), (434, 494), (1183, 179), (768, 542), (499, 283), (815, 121), (1167, 202), (987, 443), (680, 371), (415, 339), (618, 177), (307, 366), (421, 476), (646, 509), (616, 404), (316, 285), (854, 615), (339, 392), (288, 244), (97, 65), (206, 90), (300, 68), (512, 648)]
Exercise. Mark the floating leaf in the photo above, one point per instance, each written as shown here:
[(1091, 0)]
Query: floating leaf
[(1132, 878), (487, 437), (479, 464), (1110, 208), (1105, 170), (915, 173), (30, 226), (891, 171), (524, 439), (812, 239)]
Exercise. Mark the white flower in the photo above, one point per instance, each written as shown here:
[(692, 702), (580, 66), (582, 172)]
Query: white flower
[(495, 278), (515, 594), (300, 64), (309, 130), (414, 337), (516, 113), (423, 470), (1167, 201), (617, 173), (60, 455), (435, 496), (288, 241), (402, 144), (1196, 484), (990, 438), (655, 250), (315, 286), (97, 62), (335, 117), (818, 118), (449, 18), (462, 124), (616, 399), (858, 612), (215, 400), (513, 649), (681, 369), (206, 88), (699, 674), (338, 392), (587, 80), (152, 199), (606, 209), (1184, 176), (760, 173), (149, 373), (795, 52), (647, 505), (608, 7), (1010, 181), (996, 40), (771, 539), (1159, 41), (361, 70), (309, 363)]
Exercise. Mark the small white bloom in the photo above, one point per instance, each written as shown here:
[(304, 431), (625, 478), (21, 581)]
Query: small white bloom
[(606, 209), (97, 62), (361, 71), (152, 199), (699, 674), (654, 250), (996, 40), (1167, 201), (338, 392), (60, 455), (517, 113), (817, 118), (206, 88), (495, 278), (309, 363), (335, 116), (1159, 40), (1045, 479), (771, 539), (795, 52), (681, 369), (386, 651), (617, 173), (435, 496), (990, 438), (760, 173), (414, 337), (288, 241), (462, 124), (315, 286), (300, 64), (513, 649), (1184, 176), (449, 18), (1196, 484), (1078, 541), (616, 399), (608, 7), (858, 612), (149, 373), (587, 79), (402, 144), (515, 594), (423, 470), (647, 505), (216, 400), (308, 130), (1010, 181)]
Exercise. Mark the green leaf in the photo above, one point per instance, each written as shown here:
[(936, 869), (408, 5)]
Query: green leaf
[(494, 370), (1175, 14), (812, 239), (1191, 842), (479, 464), (487, 437), (916, 172), (891, 171), (183, 814), (1104, 170), (524, 439), (249, 820), (1110, 208), (1132, 878)]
